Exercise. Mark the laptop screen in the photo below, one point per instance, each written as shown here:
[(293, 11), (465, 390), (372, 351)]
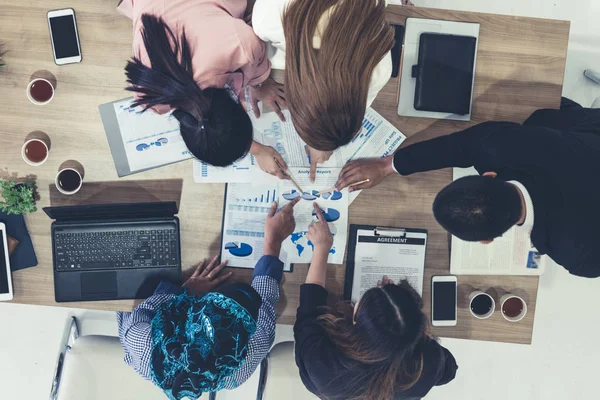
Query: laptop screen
[(120, 210)]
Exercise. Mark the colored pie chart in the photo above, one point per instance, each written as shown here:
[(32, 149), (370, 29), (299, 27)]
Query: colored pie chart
[(311, 196), (291, 195), (332, 196), (330, 214), (239, 249)]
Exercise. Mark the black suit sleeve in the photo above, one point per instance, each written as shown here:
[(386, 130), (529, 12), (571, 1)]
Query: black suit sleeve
[(460, 149)]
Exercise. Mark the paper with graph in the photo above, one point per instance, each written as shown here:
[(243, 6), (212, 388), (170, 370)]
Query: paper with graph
[(297, 248), (377, 138), (246, 209), (150, 139)]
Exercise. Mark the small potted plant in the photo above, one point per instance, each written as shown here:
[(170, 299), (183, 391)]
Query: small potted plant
[(19, 198)]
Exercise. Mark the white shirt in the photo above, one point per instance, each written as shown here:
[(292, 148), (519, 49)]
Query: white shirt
[(529, 214), (267, 23)]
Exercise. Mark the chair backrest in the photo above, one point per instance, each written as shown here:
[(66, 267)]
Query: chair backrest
[(94, 370), (282, 378)]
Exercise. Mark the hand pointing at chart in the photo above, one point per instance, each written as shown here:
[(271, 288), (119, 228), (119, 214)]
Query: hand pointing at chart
[(316, 157), (278, 226), (364, 173)]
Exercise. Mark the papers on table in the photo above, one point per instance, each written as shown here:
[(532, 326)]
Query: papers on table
[(511, 254), (297, 248), (377, 138), (246, 209), (375, 252), (247, 205), (150, 139)]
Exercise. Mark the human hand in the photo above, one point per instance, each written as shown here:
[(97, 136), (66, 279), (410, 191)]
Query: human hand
[(271, 93), (267, 159), (373, 169), (384, 281), (316, 157), (278, 226), (207, 276), (319, 233)]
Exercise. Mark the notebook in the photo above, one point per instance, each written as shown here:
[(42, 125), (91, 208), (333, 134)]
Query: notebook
[(444, 73)]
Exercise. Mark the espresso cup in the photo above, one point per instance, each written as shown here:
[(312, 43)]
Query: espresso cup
[(35, 152), (68, 180), (513, 307), (40, 91), (481, 304)]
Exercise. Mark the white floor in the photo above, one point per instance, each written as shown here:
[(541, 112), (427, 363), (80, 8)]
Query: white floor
[(560, 364)]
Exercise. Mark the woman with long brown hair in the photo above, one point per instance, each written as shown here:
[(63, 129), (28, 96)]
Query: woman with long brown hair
[(337, 58), (378, 350)]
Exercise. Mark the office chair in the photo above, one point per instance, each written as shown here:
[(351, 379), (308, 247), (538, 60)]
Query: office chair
[(279, 376), (595, 77), (91, 367)]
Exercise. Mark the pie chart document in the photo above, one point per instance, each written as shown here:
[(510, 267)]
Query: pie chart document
[(245, 212), (297, 248)]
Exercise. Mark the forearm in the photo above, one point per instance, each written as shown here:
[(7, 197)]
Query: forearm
[(318, 267)]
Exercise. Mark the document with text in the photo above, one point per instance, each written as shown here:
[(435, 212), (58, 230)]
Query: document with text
[(374, 252)]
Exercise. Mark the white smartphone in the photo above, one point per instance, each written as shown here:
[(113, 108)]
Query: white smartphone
[(64, 36), (443, 300), (6, 289)]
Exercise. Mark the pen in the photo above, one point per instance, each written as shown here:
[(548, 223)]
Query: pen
[(331, 189), (288, 175)]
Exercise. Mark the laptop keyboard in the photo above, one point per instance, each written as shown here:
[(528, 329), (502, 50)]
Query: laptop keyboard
[(113, 249)]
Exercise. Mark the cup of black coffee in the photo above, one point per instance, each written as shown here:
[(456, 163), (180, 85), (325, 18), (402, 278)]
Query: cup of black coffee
[(481, 304), (40, 91), (513, 307), (69, 180)]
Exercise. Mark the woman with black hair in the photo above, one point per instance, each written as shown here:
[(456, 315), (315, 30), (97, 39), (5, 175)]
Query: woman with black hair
[(378, 350), (196, 58)]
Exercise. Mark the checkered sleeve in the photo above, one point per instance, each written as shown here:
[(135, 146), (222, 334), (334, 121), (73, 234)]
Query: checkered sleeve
[(135, 335), (262, 340)]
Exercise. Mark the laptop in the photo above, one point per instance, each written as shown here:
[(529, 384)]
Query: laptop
[(114, 251)]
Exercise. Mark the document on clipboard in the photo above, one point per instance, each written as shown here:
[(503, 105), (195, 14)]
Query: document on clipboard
[(374, 252)]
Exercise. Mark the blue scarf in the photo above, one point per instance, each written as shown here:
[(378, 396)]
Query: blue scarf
[(198, 343)]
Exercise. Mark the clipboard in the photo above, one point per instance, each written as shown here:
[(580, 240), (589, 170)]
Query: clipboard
[(377, 231)]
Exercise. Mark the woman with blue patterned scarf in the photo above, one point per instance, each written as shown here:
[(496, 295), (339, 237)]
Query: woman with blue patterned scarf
[(203, 338)]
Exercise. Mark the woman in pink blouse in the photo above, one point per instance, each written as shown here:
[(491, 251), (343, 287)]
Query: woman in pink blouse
[(196, 58)]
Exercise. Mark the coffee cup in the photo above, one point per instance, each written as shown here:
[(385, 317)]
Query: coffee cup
[(35, 152), (68, 180), (513, 307), (40, 91), (481, 304)]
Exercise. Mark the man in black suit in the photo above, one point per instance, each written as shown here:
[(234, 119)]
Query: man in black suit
[(543, 175)]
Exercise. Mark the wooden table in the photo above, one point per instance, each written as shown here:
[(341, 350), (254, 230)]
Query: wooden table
[(520, 68)]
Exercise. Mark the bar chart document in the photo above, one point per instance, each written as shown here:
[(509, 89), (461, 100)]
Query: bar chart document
[(245, 213)]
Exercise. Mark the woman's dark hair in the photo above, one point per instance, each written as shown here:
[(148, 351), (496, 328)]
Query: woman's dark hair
[(215, 128), (476, 208), (387, 335)]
